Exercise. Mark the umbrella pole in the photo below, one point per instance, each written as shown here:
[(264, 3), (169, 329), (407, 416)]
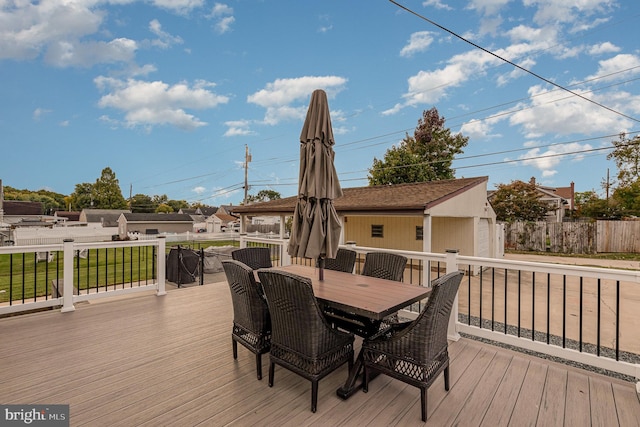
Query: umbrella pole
[(321, 268)]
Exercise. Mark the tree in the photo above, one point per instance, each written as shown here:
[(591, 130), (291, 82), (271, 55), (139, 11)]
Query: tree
[(626, 154), (164, 208), (176, 205), (107, 193), (427, 156), (627, 199), (82, 197), (263, 196), (142, 203), (589, 205), (518, 201)]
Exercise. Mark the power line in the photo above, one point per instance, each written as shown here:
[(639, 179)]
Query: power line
[(512, 63)]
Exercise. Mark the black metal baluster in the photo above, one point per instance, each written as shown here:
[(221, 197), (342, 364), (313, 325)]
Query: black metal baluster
[(506, 272), (533, 306), (580, 316), (493, 298), (519, 301), (598, 319), (564, 310), (35, 275), (469, 295), (548, 308), (617, 320)]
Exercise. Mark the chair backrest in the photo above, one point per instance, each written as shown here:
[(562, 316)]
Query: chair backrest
[(384, 265), (345, 260), (428, 332), (255, 257), (297, 320), (249, 307)]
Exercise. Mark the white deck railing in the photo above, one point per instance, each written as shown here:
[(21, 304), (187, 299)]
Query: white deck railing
[(60, 279)]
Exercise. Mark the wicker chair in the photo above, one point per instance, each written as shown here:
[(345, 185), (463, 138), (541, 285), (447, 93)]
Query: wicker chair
[(384, 265), (255, 257), (416, 352), (302, 341), (251, 320), (344, 261)]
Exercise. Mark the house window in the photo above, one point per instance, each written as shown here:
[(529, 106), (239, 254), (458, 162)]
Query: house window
[(377, 230), (419, 232)]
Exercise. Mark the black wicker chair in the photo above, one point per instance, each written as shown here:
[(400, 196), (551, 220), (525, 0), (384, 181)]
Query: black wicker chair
[(251, 320), (416, 352), (344, 261), (384, 265), (302, 341), (255, 257)]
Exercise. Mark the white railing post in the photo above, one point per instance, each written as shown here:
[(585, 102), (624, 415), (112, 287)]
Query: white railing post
[(162, 260), (452, 265), (67, 276)]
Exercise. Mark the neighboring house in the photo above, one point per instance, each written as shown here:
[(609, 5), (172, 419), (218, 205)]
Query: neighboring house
[(560, 199), (153, 223), (220, 221), (66, 217), (429, 216), (103, 217)]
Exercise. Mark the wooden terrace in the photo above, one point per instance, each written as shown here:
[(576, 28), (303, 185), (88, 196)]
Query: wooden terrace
[(149, 360)]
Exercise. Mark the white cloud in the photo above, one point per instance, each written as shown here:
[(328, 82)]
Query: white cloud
[(164, 40), (74, 54), (278, 96), (559, 113), (238, 128), (606, 47), (39, 112), (418, 42), (148, 103), (547, 160), (553, 11), (223, 14), (69, 33), (436, 4), (618, 63), (199, 190)]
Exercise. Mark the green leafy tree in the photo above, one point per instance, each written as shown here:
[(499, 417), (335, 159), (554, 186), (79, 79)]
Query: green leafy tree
[(518, 201), (164, 208), (142, 203), (82, 197), (263, 196), (425, 156), (176, 205), (627, 199), (626, 155), (50, 200), (107, 193)]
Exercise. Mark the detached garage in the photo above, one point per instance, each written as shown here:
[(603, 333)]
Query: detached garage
[(427, 216)]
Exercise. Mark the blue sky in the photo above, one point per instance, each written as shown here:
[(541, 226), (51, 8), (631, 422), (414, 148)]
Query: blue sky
[(167, 93)]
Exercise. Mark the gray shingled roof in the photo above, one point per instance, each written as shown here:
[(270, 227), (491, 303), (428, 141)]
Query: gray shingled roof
[(157, 217), (402, 197)]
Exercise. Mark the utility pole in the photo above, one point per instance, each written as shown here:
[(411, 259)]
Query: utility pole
[(247, 159)]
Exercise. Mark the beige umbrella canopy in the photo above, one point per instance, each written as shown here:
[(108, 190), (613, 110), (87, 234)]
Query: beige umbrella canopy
[(316, 228)]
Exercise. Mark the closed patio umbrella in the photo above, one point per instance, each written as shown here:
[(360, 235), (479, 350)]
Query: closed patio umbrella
[(316, 228)]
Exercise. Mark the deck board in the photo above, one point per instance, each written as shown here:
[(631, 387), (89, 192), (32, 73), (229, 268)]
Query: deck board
[(153, 361)]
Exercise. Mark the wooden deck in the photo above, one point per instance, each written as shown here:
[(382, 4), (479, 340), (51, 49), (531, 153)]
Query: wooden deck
[(166, 361)]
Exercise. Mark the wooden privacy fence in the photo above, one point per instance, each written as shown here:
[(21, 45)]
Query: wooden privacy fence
[(573, 237)]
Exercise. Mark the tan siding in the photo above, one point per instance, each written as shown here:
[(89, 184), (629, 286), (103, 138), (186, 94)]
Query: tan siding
[(452, 233), (399, 232)]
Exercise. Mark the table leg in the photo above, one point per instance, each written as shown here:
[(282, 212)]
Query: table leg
[(352, 384)]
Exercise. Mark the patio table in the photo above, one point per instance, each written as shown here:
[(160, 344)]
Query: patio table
[(366, 296)]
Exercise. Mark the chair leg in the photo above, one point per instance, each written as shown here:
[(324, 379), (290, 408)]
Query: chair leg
[(365, 379), (446, 378), (235, 348), (259, 365), (314, 395), (423, 403), (272, 367)]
